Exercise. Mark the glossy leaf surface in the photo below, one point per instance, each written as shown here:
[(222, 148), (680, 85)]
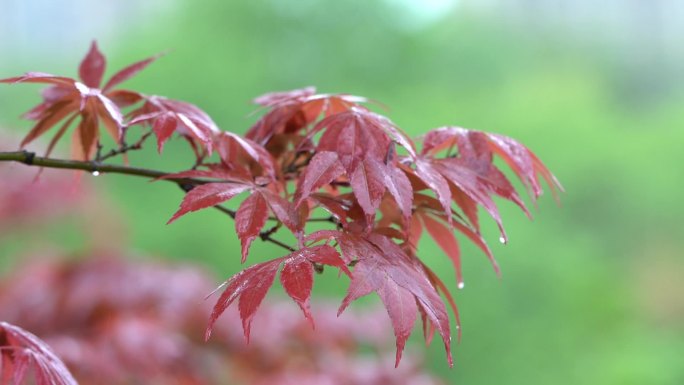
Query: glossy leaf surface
[(21, 352)]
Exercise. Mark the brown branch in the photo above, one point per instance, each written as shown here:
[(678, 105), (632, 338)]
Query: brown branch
[(30, 159), (187, 184)]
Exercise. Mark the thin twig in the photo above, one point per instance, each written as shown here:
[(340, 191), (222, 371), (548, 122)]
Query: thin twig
[(187, 184), (123, 149), (330, 219)]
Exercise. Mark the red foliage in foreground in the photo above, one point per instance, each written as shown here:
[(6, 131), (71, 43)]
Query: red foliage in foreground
[(311, 153), (118, 322), (21, 351)]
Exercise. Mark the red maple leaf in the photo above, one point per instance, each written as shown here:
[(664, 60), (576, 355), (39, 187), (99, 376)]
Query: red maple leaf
[(359, 144), (250, 286), (399, 279), (470, 178), (168, 116), (293, 111), (21, 350), (67, 99)]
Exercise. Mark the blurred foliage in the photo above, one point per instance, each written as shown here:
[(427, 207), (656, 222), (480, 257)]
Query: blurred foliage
[(133, 322), (592, 292)]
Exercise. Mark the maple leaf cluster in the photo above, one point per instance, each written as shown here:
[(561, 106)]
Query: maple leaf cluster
[(129, 322), (312, 153)]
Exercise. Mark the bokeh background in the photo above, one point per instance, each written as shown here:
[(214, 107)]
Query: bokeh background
[(592, 291)]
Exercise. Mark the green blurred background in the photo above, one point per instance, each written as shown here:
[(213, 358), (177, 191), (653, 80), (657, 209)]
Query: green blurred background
[(592, 292)]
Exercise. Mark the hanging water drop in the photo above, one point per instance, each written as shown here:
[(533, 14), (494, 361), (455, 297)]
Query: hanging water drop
[(503, 240), (461, 285), (96, 173)]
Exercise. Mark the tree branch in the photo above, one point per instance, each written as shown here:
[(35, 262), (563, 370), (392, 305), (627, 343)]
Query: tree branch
[(187, 184), (30, 159)]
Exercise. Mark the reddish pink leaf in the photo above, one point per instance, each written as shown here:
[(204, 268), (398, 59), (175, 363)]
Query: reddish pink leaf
[(273, 98), (440, 139), (88, 134), (40, 77), (472, 171), (446, 240), (398, 136), (214, 174), (208, 195), (252, 284), (434, 179), (469, 182), (550, 179), (323, 169), (225, 143), (423, 202), (191, 122), (402, 308), (297, 274), (334, 205), (524, 163), (399, 186), (92, 67), (285, 117), (353, 246), (467, 205), (110, 115), (480, 243), (297, 279), (291, 112), (164, 126), (67, 96), (327, 255), (283, 210), (475, 154), (354, 135), (409, 273), (20, 350), (441, 287), (125, 98), (367, 185), (51, 96), (400, 281), (52, 115), (249, 220), (128, 72), (59, 134)]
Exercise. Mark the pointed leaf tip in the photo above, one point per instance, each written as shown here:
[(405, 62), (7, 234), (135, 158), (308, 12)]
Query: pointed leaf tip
[(92, 67), (208, 195), (250, 286), (250, 218), (130, 71)]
